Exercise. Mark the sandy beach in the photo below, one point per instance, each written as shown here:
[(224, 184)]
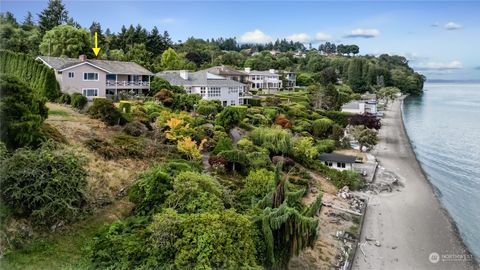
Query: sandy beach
[(410, 225)]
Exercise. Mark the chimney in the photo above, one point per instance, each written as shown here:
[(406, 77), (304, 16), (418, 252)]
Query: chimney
[(271, 71), (83, 57), (184, 74), (248, 70)]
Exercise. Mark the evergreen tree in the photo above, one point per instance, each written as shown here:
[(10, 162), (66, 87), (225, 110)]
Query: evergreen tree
[(55, 14)]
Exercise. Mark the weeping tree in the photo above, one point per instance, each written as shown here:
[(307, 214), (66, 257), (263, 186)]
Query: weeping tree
[(287, 226)]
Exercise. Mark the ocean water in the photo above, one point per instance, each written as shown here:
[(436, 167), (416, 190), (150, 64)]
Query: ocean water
[(444, 127)]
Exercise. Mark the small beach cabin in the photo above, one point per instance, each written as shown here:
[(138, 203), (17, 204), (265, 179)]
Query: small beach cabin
[(337, 161)]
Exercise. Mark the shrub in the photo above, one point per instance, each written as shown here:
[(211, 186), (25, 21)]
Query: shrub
[(21, 114), (223, 240), (340, 118), (276, 140), (104, 148), (231, 116), (149, 192), (304, 150), (129, 146), (124, 106), (258, 160), (367, 119), (165, 96), (258, 183), (135, 129), (223, 144), (321, 128), (209, 107), (283, 121), (65, 98), (193, 193), (78, 101), (105, 110), (47, 184), (53, 133), (325, 146)]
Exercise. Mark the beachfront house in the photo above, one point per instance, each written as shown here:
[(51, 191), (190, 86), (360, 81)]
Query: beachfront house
[(268, 80), (360, 107), (208, 85), (98, 78), (337, 161)]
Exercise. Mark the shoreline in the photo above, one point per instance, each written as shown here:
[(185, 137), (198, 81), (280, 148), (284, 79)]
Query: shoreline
[(410, 224), (434, 189)]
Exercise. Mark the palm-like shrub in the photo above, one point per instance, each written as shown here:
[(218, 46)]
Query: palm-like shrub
[(276, 140)]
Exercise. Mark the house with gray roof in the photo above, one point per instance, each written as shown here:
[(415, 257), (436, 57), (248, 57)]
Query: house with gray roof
[(98, 78), (337, 161), (208, 85), (360, 107)]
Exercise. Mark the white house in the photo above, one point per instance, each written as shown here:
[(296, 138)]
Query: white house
[(98, 78), (266, 80), (208, 85), (337, 161), (360, 107)]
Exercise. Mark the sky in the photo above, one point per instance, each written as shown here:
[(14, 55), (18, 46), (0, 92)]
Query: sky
[(439, 38)]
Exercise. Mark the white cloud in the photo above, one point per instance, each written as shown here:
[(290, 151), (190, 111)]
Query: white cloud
[(255, 36), (455, 64), (363, 33), (320, 36), (299, 37), (452, 26)]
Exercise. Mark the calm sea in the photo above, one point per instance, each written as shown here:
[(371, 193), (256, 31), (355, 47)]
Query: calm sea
[(444, 127)]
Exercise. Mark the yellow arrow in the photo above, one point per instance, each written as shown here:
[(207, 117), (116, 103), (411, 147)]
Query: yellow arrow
[(96, 50)]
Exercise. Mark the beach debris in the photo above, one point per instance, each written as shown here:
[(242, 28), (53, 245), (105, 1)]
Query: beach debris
[(377, 243), (394, 247), (344, 193)]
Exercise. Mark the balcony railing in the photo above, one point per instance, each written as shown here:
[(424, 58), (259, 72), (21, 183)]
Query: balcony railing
[(128, 83)]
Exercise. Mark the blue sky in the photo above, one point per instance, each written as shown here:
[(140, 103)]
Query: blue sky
[(439, 38)]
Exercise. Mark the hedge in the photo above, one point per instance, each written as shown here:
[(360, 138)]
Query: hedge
[(35, 74)]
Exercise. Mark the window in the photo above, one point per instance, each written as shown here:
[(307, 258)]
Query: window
[(214, 92), (90, 76), (328, 163), (202, 91), (224, 103), (71, 74), (90, 92), (232, 102)]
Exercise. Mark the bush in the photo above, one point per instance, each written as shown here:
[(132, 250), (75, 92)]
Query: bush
[(125, 106), (258, 183), (65, 98), (209, 107), (322, 128), (340, 118), (194, 193), (304, 150), (105, 110), (149, 192), (49, 185), (223, 144), (258, 160), (78, 101), (325, 146), (135, 129), (276, 140), (231, 116), (165, 96), (21, 114), (283, 121)]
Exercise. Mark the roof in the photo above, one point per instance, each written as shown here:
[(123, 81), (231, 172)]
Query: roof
[(199, 78), (225, 70), (337, 158), (261, 72), (351, 105), (113, 67)]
